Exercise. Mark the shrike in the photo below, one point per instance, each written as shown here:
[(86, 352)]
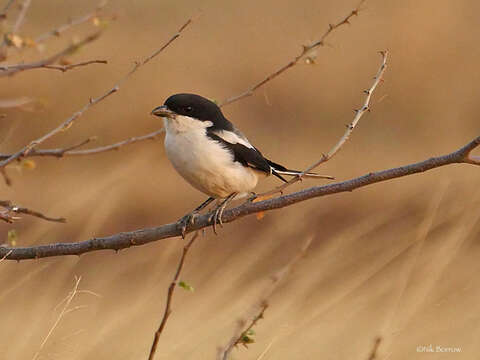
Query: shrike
[(211, 154)]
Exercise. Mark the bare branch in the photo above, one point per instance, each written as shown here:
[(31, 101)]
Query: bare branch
[(3, 14), (376, 345), (144, 236), (16, 26), (8, 70), (69, 122), (305, 51), (11, 208), (350, 127), (73, 22), (64, 68), (70, 151), (171, 289), (242, 336), (21, 16)]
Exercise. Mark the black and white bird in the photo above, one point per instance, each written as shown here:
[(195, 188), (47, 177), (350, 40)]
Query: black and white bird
[(211, 154)]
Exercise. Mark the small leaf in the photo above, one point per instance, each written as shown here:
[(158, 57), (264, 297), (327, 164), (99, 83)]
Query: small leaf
[(12, 237), (186, 286)]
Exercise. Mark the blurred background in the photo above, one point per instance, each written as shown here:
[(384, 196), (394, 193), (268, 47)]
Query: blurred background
[(396, 260)]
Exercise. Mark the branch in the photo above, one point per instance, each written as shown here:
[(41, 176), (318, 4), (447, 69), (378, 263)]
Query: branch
[(11, 208), (350, 127), (244, 337), (306, 50), (3, 14), (16, 26), (69, 122), (73, 22), (64, 68), (70, 151), (144, 236), (21, 16), (8, 70), (171, 289)]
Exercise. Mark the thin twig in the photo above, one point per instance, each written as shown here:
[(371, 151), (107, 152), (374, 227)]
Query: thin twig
[(70, 151), (376, 345), (11, 208), (21, 16), (171, 289), (350, 127), (73, 22), (69, 122), (3, 14), (64, 68), (8, 70), (241, 336), (143, 236), (305, 50)]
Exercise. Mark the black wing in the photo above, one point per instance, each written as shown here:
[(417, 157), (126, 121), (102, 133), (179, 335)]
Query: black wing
[(249, 157)]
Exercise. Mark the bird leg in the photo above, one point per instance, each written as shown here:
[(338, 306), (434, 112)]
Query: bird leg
[(217, 216), (189, 219)]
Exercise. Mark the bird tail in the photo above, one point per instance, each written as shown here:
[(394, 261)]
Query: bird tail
[(308, 174), (282, 170)]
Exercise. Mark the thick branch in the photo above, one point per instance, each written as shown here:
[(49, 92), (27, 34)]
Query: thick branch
[(147, 235)]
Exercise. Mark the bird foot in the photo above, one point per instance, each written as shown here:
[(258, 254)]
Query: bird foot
[(186, 221)]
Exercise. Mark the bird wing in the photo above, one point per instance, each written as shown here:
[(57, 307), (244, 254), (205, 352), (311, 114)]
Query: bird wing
[(243, 152)]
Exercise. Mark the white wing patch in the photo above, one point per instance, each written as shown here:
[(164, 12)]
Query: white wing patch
[(233, 137)]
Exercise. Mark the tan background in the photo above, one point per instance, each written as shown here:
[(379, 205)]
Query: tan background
[(373, 269)]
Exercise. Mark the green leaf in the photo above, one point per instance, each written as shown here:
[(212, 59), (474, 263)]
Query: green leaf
[(186, 286)]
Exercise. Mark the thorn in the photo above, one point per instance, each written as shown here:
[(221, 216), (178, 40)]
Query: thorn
[(91, 100), (355, 12), (331, 26)]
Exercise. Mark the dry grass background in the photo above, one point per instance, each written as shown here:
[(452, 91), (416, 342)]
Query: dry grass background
[(397, 260)]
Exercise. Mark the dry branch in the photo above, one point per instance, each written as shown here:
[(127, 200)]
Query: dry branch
[(3, 14), (73, 22), (305, 51), (69, 122), (350, 127), (8, 70), (64, 68), (70, 151), (143, 236), (12, 208), (242, 336), (171, 289), (16, 26)]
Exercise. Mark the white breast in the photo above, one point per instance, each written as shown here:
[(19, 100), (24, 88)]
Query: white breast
[(204, 163)]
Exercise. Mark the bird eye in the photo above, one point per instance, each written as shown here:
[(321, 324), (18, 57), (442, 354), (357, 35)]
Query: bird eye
[(189, 109)]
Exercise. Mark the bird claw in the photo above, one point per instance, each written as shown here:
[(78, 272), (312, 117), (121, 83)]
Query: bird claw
[(217, 215), (187, 220)]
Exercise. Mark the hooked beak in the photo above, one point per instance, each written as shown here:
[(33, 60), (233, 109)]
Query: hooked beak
[(163, 111)]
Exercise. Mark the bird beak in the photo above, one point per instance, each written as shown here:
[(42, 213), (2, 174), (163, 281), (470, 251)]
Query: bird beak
[(163, 111)]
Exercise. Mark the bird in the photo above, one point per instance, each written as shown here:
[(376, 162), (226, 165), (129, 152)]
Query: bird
[(212, 155)]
